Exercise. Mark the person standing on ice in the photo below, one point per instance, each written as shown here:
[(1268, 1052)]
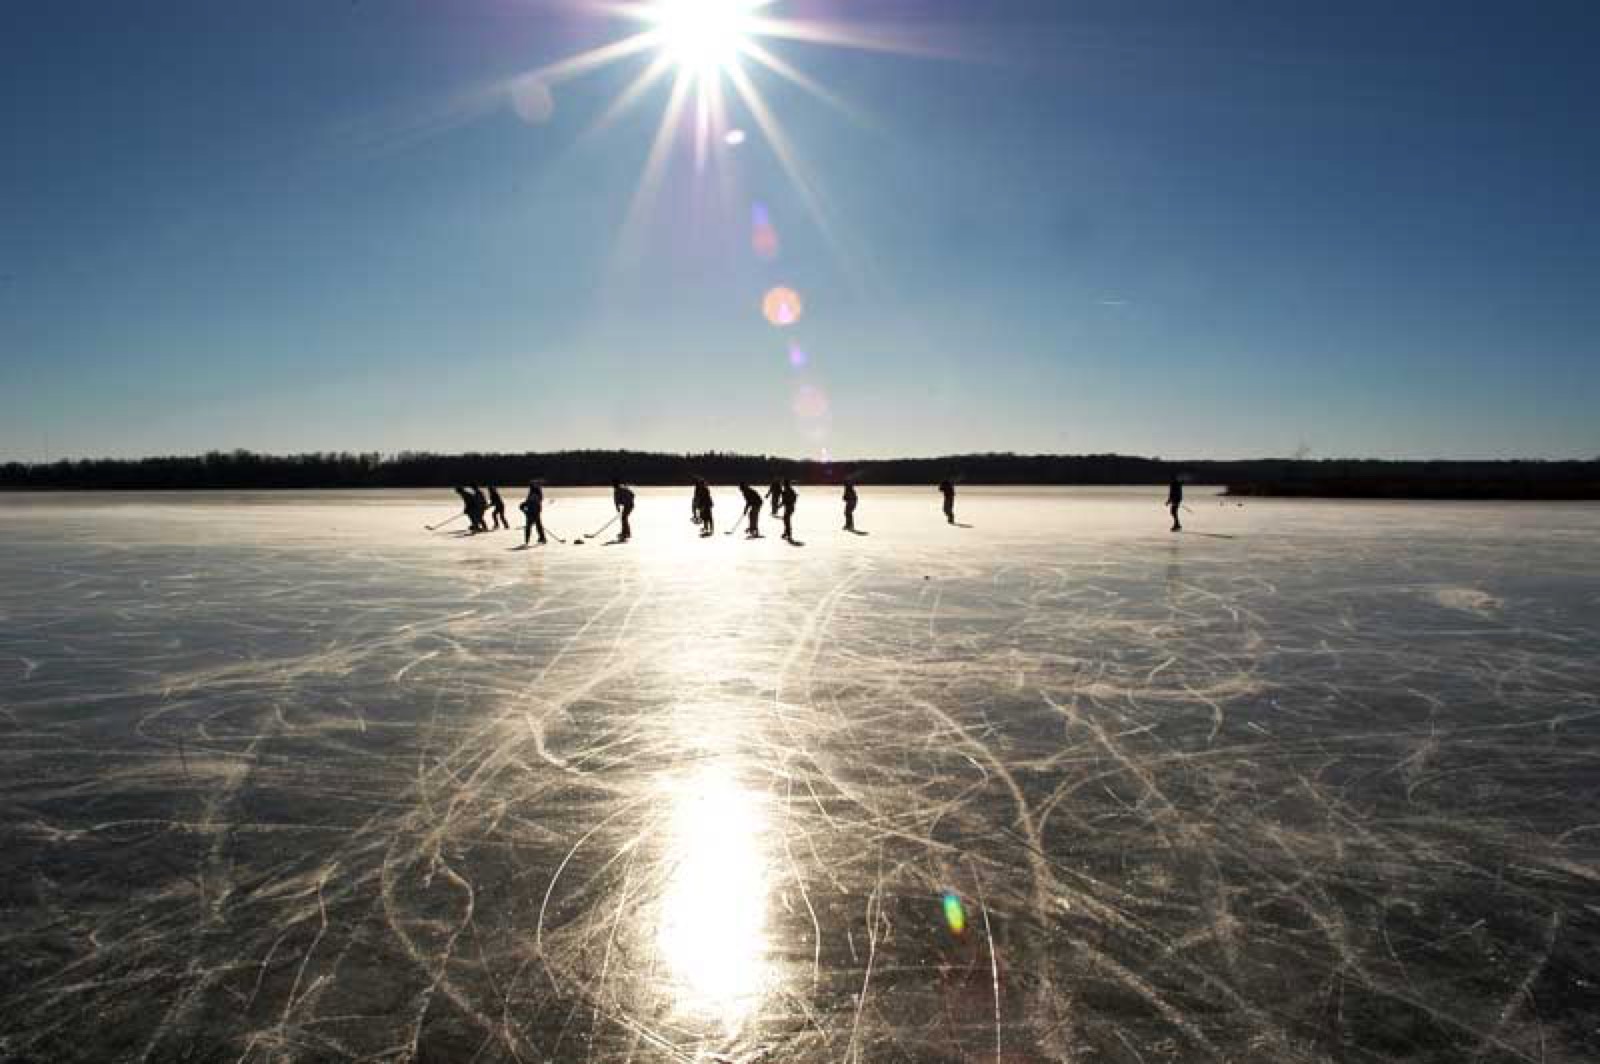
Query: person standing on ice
[(533, 513), (701, 507), (480, 506), (948, 489), (472, 504), (789, 499), (849, 505), (622, 498), (469, 507), (775, 493), (752, 510), (1175, 501), (498, 505)]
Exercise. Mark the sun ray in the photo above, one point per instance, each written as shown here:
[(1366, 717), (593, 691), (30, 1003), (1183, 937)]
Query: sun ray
[(797, 172), (787, 157), (720, 126), (858, 36), (595, 58), (788, 71), (708, 46), (702, 124), (658, 68)]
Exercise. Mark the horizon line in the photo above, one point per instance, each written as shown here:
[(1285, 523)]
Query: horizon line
[(403, 454)]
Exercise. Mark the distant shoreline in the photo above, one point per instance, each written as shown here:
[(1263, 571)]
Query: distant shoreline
[(1507, 480), (1415, 492)]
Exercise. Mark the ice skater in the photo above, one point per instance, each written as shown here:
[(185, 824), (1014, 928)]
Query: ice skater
[(622, 498), (701, 507), (1175, 501), (849, 505), (498, 505), (775, 493), (948, 489), (480, 506), (789, 499), (752, 510), (472, 506), (533, 513)]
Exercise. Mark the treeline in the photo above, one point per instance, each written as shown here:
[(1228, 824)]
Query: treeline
[(1340, 478), (1372, 479)]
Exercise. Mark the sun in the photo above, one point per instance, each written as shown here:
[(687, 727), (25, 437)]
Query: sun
[(712, 56), (703, 37)]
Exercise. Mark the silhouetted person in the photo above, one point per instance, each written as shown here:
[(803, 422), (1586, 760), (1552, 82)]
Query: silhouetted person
[(1175, 502), (533, 513), (752, 510), (702, 505), (472, 505), (498, 505), (466, 507), (480, 506), (948, 490), (775, 493), (849, 506), (622, 498), (789, 499)]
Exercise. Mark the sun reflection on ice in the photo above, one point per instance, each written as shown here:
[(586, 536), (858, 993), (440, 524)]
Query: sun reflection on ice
[(712, 934)]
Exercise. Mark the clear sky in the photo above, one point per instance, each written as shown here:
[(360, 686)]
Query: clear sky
[(1177, 228)]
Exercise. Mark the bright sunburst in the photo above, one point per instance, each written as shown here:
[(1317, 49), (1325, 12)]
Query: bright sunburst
[(709, 53), (703, 37)]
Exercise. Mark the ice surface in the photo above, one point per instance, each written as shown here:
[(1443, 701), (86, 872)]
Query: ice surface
[(286, 778)]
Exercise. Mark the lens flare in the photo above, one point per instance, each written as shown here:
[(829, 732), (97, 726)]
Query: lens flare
[(763, 235), (711, 57), (797, 356), (532, 101), (955, 917), (764, 242), (811, 402), (782, 306)]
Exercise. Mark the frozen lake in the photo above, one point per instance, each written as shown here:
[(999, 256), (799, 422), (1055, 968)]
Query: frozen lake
[(287, 778)]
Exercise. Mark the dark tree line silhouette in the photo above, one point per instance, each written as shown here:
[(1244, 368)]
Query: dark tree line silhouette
[(1342, 478)]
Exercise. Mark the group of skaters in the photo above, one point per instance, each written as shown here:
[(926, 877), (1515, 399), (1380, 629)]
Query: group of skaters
[(475, 505), (486, 511), (780, 494)]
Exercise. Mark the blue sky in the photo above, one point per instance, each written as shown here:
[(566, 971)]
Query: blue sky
[(1169, 228)]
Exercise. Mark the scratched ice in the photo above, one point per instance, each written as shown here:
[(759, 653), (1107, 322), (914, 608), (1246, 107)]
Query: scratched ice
[(288, 779)]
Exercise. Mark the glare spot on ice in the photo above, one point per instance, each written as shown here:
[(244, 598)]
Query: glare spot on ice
[(1467, 600)]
